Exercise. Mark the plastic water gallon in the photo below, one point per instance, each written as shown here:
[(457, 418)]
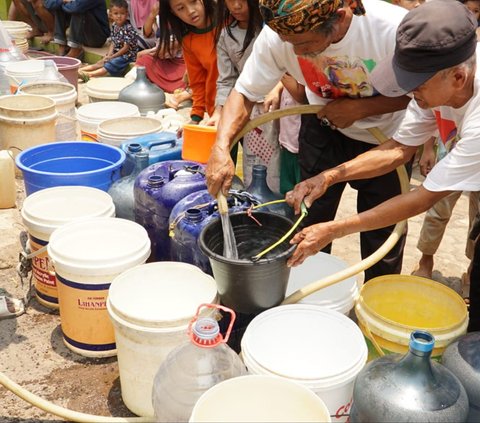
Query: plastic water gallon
[(115, 131), (340, 297), (65, 97), (87, 255), (150, 307), (48, 209), (105, 88), (462, 359), (195, 366), (259, 398), (157, 189), (91, 115), (8, 191), (409, 388), (187, 219), (312, 345)]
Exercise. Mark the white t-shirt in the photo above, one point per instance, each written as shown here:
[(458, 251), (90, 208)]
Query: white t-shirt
[(343, 69), (459, 170)]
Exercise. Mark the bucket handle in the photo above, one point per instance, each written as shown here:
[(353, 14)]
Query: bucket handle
[(372, 339), (218, 307)]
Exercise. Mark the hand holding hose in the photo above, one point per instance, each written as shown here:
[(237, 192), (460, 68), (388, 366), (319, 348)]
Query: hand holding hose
[(220, 171), (307, 191)]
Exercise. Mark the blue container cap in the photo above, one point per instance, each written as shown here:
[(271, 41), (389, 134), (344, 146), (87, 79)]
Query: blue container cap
[(421, 341)]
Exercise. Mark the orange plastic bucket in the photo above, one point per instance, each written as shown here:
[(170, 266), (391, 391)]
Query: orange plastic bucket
[(198, 142)]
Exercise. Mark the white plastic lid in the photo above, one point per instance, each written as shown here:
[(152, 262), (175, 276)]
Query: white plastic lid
[(338, 296), (25, 67), (306, 343), (129, 127), (103, 110), (46, 210), (162, 294), (98, 246), (106, 87)]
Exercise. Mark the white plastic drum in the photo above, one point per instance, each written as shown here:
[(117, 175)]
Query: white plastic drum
[(116, 131), (105, 88), (257, 398), (87, 255), (47, 210), (340, 297), (312, 345), (150, 307), (91, 115)]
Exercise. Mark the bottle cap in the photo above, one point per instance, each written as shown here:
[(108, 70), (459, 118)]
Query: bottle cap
[(206, 333), (421, 341)]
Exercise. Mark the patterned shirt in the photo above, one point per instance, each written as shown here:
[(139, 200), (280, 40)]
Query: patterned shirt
[(125, 34)]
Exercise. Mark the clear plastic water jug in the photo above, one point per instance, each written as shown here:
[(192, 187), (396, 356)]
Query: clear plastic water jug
[(194, 367)]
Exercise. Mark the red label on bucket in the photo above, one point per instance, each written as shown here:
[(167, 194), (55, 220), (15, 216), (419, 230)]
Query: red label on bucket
[(44, 277)]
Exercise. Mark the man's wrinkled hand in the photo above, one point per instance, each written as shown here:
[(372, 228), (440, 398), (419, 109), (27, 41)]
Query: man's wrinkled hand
[(307, 191), (220, 171), (309, 242)]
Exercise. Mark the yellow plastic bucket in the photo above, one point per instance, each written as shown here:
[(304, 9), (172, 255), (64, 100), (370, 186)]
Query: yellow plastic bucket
[(390, 307)]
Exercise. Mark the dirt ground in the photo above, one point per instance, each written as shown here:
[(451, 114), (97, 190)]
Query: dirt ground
[(33, 355)]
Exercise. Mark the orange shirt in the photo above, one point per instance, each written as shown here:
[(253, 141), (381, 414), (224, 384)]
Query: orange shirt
[(200, 55)]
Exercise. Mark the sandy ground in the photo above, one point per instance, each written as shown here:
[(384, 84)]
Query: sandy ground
[(31, 348)]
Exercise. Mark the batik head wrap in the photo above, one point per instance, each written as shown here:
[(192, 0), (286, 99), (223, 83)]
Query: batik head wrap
[(290, 17)]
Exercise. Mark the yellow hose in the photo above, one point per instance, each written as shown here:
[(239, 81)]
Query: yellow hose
[(75, 416), (365, 263)]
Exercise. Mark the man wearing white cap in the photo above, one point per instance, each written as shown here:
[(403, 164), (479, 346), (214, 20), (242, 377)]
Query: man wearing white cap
[(435, 60)]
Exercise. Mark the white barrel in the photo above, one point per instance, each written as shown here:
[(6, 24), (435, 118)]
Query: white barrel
[(312, 345), (49, 209), (23, 72), (256, 398), (65, 97), (91, 115), (150, 307), (340, 297), (87, 255), (116, 131), (26, 121), (105, 88)]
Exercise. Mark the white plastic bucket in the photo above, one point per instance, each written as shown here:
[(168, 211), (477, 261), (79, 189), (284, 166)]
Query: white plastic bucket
[(87, 255), (91, 115), (17, 29), (23, 72), (105, 88), (340, 297), (312, 345), (257, 398), (48, 209), (150, 307), (26, 121), (65, 97), (115, 131), (8, 191)]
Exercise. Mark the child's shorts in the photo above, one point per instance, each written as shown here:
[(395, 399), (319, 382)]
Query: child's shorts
[(116, 66)]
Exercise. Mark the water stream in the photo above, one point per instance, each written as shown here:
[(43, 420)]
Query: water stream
[(229, 243)]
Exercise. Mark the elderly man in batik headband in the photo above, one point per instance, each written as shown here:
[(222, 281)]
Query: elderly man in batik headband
[(331, 47)]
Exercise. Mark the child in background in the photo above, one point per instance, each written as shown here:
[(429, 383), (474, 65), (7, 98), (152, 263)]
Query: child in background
[(123, 48), (241, 23), (193, 24), (293, 94)]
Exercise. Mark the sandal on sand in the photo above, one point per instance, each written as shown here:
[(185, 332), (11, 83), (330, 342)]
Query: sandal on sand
[(7, 304)]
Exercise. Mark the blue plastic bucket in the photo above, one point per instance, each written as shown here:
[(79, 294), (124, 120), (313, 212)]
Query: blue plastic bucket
[(70, 163)]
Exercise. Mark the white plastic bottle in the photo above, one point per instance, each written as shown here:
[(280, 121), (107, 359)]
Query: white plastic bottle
[(8, 192), (194, 367)]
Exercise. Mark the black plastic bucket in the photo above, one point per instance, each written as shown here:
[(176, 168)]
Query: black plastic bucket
[(243, 285)]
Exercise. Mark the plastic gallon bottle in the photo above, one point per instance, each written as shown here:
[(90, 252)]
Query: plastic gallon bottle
[(409, 388), (122, 189), (462, 358), (194, 367), (259, 189), (8, 192)]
